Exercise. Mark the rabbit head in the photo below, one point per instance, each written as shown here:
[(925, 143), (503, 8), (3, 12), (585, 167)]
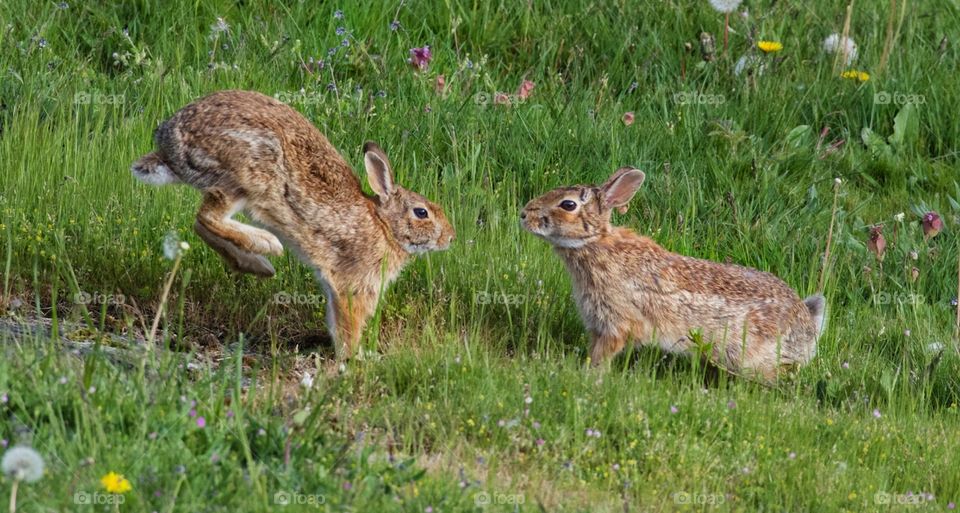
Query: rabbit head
[(416, 223), (572, 217)]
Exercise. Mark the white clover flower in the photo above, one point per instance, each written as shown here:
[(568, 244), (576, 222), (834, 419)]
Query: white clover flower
[(725, 6), (899, 217), (23, 464), (836, 43)]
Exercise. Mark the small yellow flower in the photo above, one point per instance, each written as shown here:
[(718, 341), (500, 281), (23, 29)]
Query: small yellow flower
[(115, 483), (861, 76), (770, 46)]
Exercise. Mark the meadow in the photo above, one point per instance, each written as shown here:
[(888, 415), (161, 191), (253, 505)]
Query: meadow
[(477, 396)]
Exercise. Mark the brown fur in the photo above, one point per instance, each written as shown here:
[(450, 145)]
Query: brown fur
[(247, 151), (628, 287)]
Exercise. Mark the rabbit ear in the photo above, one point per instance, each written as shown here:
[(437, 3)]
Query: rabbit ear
[(379, 172), (620, 188)]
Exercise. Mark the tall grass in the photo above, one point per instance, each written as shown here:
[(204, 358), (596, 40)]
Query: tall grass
[(468, 335)]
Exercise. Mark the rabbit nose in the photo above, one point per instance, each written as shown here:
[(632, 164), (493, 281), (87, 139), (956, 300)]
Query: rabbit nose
[(523, 214)]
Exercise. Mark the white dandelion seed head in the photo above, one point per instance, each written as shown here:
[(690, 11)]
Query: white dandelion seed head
[(725, 6), (306, 381), (836, 43), (172, 246), (220, 27), (747, 63), (23, 464)]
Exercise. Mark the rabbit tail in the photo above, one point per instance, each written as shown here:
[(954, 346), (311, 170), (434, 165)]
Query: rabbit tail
[(152, 170)]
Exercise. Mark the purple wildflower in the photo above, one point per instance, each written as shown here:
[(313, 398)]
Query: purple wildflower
[(420, 58)]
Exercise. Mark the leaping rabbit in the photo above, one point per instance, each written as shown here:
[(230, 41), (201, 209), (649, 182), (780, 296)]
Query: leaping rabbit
[(249, 152)]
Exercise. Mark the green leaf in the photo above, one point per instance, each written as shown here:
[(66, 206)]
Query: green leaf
[(906, 126), (300, 417), (799, 136), (877, 146)]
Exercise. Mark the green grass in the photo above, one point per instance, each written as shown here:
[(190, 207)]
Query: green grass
[(441, 415)]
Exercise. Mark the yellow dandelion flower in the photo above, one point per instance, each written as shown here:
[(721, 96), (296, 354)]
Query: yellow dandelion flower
[(115, 483), (770, 46), (861, 76)]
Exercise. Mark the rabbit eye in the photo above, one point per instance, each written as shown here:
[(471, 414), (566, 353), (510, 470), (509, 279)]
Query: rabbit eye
[(568, 205), (421, 213)]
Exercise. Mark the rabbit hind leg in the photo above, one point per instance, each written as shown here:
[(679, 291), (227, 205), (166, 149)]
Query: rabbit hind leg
[(237, 259), (216, 215)]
